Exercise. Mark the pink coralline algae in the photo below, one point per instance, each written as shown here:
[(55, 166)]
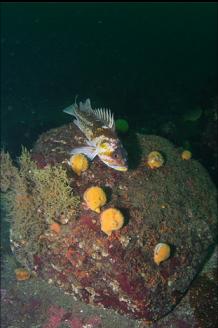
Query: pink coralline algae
[(55, 315), (58, 315), (91, 322), (74, 323)]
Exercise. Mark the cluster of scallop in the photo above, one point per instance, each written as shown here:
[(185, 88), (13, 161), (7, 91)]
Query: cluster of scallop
[(112, 219)]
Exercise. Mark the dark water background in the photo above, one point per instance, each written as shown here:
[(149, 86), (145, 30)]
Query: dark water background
[(148, 62)]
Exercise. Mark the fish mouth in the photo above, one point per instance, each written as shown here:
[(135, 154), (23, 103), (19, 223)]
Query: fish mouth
[(119, 168), (123, 169)]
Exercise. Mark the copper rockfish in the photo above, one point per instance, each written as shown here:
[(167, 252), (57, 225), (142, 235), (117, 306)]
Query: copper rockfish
[(99, 128)]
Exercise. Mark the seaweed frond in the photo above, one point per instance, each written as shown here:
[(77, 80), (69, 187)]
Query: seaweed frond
[(33, 198), (7, 171), (55, 196)]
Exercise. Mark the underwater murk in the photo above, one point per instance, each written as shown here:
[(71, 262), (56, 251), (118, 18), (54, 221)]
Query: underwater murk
[(109, 218)]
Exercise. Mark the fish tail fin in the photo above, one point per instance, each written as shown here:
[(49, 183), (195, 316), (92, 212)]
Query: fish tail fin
[(71, 109)]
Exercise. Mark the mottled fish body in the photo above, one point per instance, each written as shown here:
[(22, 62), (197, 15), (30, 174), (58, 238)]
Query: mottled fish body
[(99, 128)]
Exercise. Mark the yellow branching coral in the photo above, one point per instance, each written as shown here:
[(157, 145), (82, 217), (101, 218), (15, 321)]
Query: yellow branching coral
[(161, 253), (111, 220), (155, 160), (95, 198), (186, 155), (79, 163)]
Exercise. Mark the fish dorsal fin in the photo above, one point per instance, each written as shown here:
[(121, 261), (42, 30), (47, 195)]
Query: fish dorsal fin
[(86, 106), (105, 116), (102, 114)]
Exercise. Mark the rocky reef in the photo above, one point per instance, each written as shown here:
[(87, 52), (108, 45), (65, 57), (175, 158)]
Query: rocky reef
[(174, 204)]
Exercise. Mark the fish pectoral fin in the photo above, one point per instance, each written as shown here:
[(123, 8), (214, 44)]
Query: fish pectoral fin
[(90, 152), (76, 122), (90, 144)]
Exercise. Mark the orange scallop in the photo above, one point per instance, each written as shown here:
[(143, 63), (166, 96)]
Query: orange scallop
[(22, 274), (56, 227)]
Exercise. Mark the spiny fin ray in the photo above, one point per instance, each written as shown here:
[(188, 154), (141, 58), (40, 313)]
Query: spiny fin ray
[(105, 116)]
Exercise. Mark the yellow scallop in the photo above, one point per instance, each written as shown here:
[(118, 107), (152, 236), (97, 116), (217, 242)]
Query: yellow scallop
[(161, 253), (111, 220), (186, 155), (95, 198), (79, 163), (155, 160)]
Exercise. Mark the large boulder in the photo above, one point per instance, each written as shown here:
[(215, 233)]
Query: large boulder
[(173, 204)]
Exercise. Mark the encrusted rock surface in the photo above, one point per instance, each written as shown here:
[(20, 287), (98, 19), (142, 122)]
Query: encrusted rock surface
[(175, 204)]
